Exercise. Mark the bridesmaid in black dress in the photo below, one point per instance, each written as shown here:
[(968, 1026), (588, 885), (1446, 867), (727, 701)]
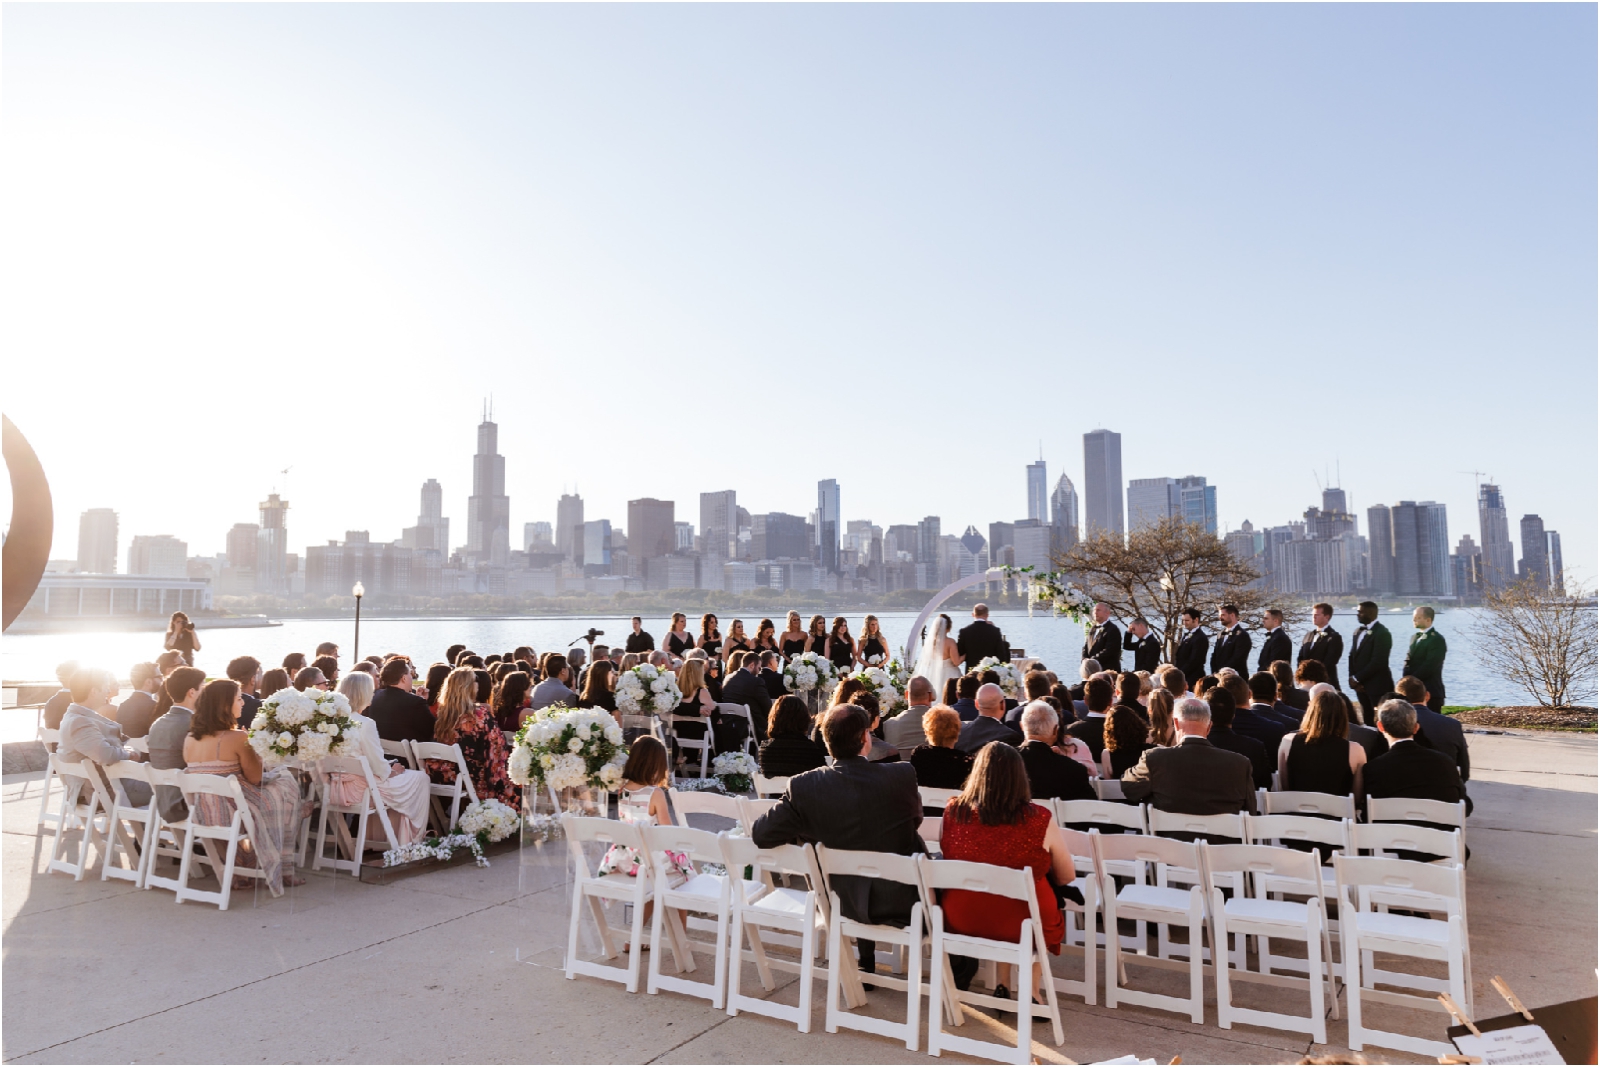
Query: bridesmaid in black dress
[(873, 645), (737, 641), (841, 646), (817, 636), (710, 636), (794, 640), (764, 641), (677, 641)]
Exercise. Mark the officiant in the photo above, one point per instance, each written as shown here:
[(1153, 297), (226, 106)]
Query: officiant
[(980, 638)]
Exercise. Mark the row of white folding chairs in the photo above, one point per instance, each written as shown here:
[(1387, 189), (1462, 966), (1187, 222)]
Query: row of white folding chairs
[(704, 744), (457, 794)]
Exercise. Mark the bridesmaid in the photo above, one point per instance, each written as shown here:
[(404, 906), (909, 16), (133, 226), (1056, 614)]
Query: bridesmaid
[(710, 636), (764, 641), (817, 636), (793, 641), (874, 649), (737, 641), (677, 641), (841, 647)]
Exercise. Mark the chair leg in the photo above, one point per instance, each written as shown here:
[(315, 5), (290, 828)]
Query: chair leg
[(808, 939), (736, 936), (835, 946), (1025, 992), (578, 897), (936, 991), (914, 978), (1197, 925), (1319, 1027), (719, 965), (1113, 941), (657, 921), (1224, 979), (186, 862), (635, 936)]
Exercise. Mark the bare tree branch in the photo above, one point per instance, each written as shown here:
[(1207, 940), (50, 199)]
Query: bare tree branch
[(1542, 639)]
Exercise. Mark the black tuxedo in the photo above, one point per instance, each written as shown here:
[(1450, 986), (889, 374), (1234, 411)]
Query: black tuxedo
[(1408, 770), (1327, 648), (1103, 644), (1146, 651), (1232, 650), (980, 638), (742, 687), (401, 716), (1190, 657), (1274, 646), (1370, 675), (1260, 722), (1052, 776), (774, 683)]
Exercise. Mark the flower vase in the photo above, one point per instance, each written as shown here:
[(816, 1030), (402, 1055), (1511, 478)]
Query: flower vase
[(811, 702)]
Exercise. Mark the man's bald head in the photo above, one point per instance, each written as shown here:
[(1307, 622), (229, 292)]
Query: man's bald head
[(920, 691), (991, 700)]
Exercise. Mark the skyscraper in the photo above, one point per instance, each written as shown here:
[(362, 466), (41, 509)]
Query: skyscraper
[(1102, 482), (160, 556), (569, 523), (1038, 492), (432, 531), (1535, 550), (1197, 502), (1421, 539), (1150, 501), (651, 528), (97, 541), (683, 536), (1558, 577), (596, 541), (272, 547), (1380, 550), (1494, 534), (538, 536), (242, 545), (1333, 500), (828, 527), (719, 526), (488, 508), (928, 540), (1064, 514)]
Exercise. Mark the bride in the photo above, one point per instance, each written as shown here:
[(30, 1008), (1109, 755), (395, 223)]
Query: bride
[(939, 661)]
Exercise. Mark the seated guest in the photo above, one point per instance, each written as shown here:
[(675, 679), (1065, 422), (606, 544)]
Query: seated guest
[(1442, 732), (1035, 686), (404, 791), (465, 722), (1091, 729), (136, 713), (1222, 736), (1258, 719), (1051, 775), (744, 686), (1174, 681), (401, 715), (1193, 777), (1125, 737), (991, 704), (437, 673), (727, 732), (880, 750), (1291, 701), (56, 707), (309, 678), (645, 780), (554, 689), (510, 700), (1205, 685), (1086, 670), (329, 666), (1367, 737), (771, 677), (597, 687), (995, 821), (858, 806), (904, 731), (1129, 686), (89, 734), (246, 670), (1237, 687), (789, 748), (939, 764), (1409, 770), (216, 745), (952, 692), (294, 663), (1320, 757), (272, 681), (169, 733), (1162, 733), (847, 688), (966, 704), (1307, 674)]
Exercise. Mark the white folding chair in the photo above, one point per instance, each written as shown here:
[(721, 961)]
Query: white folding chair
[(135, 847), (1081, 847), (1110, 817), (1364, 930), (370, 803), (937, 798), (462, 786), (1389, 838), (741, 711), (771, 787), (85, 807), (751, 810), (1108, 789), (701, 744), (687, 802), (1230, 826), (240, 827), (140, 745), (1411, 810), (702, 893), (1311, 831), (1291, 802), (1013, 884), (178, 832), (797, 912), (401, 750), (50, 739), (931, 830), (1265, 919), (594, 890), (1151, 903)]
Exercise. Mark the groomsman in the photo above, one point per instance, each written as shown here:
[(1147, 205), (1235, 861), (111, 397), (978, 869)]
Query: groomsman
[(1104, 642), (1144, 645), (1190, 657), (1369, 660), (1276, 644), (1233, 643), (1323, 644), (1425, 657)]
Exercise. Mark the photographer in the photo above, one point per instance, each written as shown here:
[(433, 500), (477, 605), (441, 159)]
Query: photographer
[(181, 638)]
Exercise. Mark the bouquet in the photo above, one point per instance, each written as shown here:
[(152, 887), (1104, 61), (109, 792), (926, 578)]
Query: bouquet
[(1009, 680), (647, 690), (735, 770), (566, 748), (306, 725), (489, 821), (806, 672), (881, 684)]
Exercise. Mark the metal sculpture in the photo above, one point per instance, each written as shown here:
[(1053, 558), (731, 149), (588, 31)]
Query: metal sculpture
[(27, 547)]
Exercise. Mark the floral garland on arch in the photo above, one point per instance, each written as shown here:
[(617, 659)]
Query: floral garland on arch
[(567, 748), (647, 690), (481, 824), (806, 672), (307, 725), (1010, 681), (881, 684), (1052, 589)]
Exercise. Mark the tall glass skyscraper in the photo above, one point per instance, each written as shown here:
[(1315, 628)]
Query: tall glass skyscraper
[(828, 526), (1102, 482), (1038, 493), (488, 508)]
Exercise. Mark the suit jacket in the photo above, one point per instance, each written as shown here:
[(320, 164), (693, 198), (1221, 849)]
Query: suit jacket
[(1232, 650), (1146, 651), (980, 638), (166, 754), (1327, 648), (966, 708), (1374, 743), (1190, 656), (1369, 661), (1408, 770), (1298, 699), (904, 731), (1261, 764), (1193, 778), (1103, 644), (550, 691), (982, 730), (1259, 721), (401, 716), (773, 680), (1092, 732), (1288, 714), (859, 806), (1445, 735), (136, 714), (1425, 662), (1274, 646), (1052, 776), (742, 687), (247, 714)]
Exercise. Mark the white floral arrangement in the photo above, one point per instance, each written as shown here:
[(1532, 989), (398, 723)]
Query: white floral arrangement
[(806, 672), (567, 748), (490, 819), (1056, 592), (881, 684), (736, 771), (899, 673), (647, 690), (309, 725), (480, 824), (1010, 680), (698, 785)]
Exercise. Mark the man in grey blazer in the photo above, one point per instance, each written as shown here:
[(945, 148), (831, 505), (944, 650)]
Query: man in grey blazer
[(1193, 777)]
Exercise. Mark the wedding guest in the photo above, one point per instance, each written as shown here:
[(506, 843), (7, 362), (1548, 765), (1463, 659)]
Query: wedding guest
[(1126, 738), (485, 688), (404, 791), (136, 713), (554, 689), (630, 660), (817, 636), (678, 640), (328, 648), (939, 764), (789, 749), (1172, 680), (437, 673), (1087, 669), (309, 678), (181, 637), (1128, 687), (1145, 686), (216, 745), (1193, 777), (576, 658), (1237, 687), (452, 652), (1035, 686), (1290, 695), (880, 751), (464, 721), (89, 734), (1319, 757), (793, 640), (1257, 719), (647, 769), (736, 642), (1309, 674), (1051, 775), (1091, 729), (874, 648), (1407, 769), (511, 700), (401, 715), (1163, 734), (710, 639), (904, 731), (987, 727), (771, 677), (1442, 732), (246, 670), (697, 703), (56, 706), (169, 734), (639, 639), (764, 641), (713, 676), (952, 693), (744, 686), (329, 668), (597, 688), (272, 681), (1222, 736), (847, 688), (294, 663), (1371, 740), (840, 648), (966, 704)]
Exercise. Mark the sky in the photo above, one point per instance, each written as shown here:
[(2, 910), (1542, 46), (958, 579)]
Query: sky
[(696, 248)]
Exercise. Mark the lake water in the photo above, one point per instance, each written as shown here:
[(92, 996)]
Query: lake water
[(32, 657)]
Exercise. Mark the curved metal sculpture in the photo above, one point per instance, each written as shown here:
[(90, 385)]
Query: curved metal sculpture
[(914, 639), (27, 547)]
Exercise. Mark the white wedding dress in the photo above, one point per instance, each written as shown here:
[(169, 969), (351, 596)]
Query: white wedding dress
[(931, 661)]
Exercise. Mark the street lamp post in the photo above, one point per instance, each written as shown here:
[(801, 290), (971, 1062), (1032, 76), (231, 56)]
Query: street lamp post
[(358, 592)]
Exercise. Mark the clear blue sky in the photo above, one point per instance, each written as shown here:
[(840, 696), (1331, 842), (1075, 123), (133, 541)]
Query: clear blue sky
[(694, 248)]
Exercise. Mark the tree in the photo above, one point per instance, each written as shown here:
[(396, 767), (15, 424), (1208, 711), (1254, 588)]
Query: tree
[(1165, 568), (1539, 637)]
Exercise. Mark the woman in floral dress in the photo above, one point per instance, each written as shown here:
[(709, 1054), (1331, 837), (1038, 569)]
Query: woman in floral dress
[(465, 722)]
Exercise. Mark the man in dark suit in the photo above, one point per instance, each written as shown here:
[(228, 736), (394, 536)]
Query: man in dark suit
[(1260, 720), (771, 677), (1223, 736), (1193, 777), (1443, 733), (744, 686), (1275, 644), (1233, 643), (1369, 659), (1425, 657), (640, 640), (857, 806), (1051, 776), (966, 704), (1145, 646), (1408, 769), (1103, 642), (1035, 686), (991, 701), (1190, 656), (980, 638), (1323, 643), (401, 715), (1091, 729)]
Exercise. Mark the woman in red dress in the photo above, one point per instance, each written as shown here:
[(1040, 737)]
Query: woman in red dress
[(995, 821)]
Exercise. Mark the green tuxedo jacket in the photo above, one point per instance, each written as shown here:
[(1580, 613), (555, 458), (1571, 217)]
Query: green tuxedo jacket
[(1425, 660)]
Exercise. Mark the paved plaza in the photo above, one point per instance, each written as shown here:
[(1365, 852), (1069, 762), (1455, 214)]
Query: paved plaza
[(462, 964)]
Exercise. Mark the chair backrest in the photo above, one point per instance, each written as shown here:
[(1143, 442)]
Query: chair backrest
[(159, 777), (1108, 788), (931, 829), (125, 770), (936, 798), (222, 786), (1399, 836), (1145, 848), (1306, 803), (1409, 809), (771, 787), (583, 828), (1217, 825), (740, 710), (702, 846), (434, 750), (400, 750), (137, 744), (1308, 829), (1378, 872), (1080, 846), (796, 861), (699, 802), (1259, 861), (50, 738), (1103, 813), (1011, 882), (355, 765), (751, 810), (885, 865)]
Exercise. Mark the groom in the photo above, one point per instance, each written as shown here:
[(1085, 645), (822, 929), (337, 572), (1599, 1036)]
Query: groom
[(981, 638)]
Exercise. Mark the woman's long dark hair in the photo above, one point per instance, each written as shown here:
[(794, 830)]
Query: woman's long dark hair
[(213, 709), (997, 788), (708, 629), (598, 680), (509, 694)]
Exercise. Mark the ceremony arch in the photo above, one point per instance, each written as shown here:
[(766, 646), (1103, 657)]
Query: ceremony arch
[(914, 639)]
